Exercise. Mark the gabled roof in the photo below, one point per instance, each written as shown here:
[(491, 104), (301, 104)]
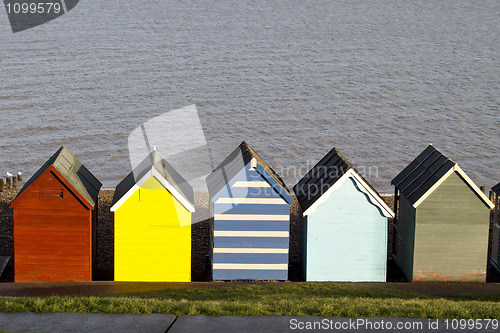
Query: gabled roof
[(236, 161), (326, 176), (75, 173), (426, 172), (496, 188), (154, 165)]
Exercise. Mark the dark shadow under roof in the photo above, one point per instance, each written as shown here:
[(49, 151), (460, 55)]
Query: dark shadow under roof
[(496, 188), (82, 180), (322, 176), (422, 173), (155, 160), (233, 164)]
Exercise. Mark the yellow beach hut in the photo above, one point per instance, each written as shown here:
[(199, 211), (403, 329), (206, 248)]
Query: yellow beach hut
[(153, 207)]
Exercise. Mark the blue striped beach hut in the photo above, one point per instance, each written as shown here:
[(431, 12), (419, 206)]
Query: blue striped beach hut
[(250, 205), (342, 224)]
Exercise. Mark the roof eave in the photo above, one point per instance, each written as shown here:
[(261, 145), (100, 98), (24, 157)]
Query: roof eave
[(164, 182), (374, 197), (466, 178)]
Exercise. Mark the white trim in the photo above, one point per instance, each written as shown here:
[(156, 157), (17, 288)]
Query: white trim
[(253, 163), (244, 233), (249, 217), (434, 187), (255, 201), (363, 187), (257, 183), (483, 196), (374, 197), (132, 190), (281, 267), (248, 250), (154, 173), (466, 178), (173, 191)]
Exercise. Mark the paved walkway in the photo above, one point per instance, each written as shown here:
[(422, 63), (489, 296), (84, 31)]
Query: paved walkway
[(97, 322), (124, 323), (84, 322)]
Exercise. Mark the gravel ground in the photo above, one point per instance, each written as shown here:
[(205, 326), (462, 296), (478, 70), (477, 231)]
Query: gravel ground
[(200, 240)]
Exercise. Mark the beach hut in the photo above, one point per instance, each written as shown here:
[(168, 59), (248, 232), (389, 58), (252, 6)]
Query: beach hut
[(442, 222), (342, 224), (250, 205), (153, 207), (495, 239), (55, 216)]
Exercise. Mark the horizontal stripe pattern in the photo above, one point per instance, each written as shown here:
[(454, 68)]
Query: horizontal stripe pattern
[(252, 225), (246, 233), (245, 274), (248, 192), (248, 217), (251, 242), (250, 232), (252, 209), (251, 266), (258, 201), (251, 258), (249, 250)]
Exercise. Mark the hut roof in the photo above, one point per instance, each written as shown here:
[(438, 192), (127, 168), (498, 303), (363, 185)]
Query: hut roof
[(496, 188), (233, 164), (325, 174), (74, 172), (154, 165), (426, 172)]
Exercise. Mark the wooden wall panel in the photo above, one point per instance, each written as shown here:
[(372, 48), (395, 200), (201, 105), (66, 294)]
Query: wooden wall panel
[(451, 236), (347, 238), (405, 237), (250, 237), (152, 237), (51, 247), (52, 233)]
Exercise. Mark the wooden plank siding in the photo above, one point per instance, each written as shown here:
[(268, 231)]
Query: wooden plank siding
[(150, 243), (495, 238), (451, 235), (343, 235), (52, 233), (495, 249), (405, 237), (346, 238), (250, 229)]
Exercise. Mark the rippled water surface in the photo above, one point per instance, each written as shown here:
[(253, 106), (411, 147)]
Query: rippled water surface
[(377, 79)]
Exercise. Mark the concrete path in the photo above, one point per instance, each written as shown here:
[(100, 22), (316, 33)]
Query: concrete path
[(229, 324), (84, 322), (104, 323)]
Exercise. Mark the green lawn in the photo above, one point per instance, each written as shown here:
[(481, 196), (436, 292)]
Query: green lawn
[(292, 299)]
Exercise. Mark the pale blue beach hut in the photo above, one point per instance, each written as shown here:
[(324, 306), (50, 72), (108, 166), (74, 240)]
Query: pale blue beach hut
[(342, 224)]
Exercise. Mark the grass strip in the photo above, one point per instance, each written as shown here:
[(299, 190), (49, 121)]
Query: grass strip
[(293, 299)]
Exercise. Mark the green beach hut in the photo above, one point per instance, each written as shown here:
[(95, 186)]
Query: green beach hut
[(495, 239), (442, 226)]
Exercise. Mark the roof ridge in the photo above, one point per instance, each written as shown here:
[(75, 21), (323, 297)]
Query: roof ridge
[(75, 173), (229, 167), (154, 160)]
